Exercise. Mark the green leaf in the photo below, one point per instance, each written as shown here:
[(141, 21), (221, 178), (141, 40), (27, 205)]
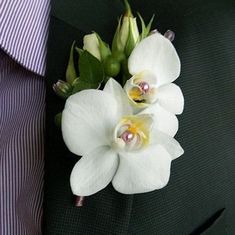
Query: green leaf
[(71, 72), (91, 69), (81, 85)]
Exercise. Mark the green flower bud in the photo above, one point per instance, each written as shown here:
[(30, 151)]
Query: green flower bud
[(126, 33), (112, 67), (133, 36), (62, 89)]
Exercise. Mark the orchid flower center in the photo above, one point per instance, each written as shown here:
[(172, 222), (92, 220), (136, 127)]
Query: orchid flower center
[(139, 91), (127, 136), (142, 89), (132, 132)]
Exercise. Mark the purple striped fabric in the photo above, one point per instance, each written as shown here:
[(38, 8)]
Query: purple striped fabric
[(22, 101), (23, 31), (23, 36)]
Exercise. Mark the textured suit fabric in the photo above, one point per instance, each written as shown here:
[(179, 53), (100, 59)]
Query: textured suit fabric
[(199, 196)]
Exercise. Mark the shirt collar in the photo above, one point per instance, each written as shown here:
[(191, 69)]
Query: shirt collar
[(24, 32)]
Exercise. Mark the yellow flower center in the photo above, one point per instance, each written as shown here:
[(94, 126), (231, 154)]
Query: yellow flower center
[(136, 94), (142, 89), (132, 132)]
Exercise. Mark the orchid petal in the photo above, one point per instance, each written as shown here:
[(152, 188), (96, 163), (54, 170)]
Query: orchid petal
[(94, 171), (142, 171), (171, 98), (113, 88), (169, 143), (163, 120), (91, 44), (88, 120), (157, 55)]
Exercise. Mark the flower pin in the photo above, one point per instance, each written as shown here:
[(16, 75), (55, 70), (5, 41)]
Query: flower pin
[(125, 132)]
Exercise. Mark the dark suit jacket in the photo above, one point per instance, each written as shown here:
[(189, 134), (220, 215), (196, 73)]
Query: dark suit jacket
[(200, 197)]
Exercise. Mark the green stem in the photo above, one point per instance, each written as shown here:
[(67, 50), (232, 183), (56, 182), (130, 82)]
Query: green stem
[(125, 72)]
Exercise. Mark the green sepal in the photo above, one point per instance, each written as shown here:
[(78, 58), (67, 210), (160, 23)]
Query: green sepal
[(103, 47), (128, 8), (116, 37), (130, 44), (148, 28), (145, 29), (79, 50), (71, 71), (143, 26)]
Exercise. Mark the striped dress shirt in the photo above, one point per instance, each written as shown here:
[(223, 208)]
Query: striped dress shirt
[(23, 36)]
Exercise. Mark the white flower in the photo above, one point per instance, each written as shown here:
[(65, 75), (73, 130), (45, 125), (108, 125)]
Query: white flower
[(116, 146), (91, 44), (154, 65)]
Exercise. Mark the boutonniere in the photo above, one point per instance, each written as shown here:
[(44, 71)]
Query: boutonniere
[(120, 109)]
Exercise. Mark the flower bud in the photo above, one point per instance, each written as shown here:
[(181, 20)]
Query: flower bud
[(119, 56), (62, 89), (127, 33), (124, 32), (112, 67), (96, 46), (170, 35), (91, 44), (133, 36)]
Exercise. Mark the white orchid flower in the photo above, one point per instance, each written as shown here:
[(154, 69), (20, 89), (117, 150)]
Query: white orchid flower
[(154, 65), (116, 146)]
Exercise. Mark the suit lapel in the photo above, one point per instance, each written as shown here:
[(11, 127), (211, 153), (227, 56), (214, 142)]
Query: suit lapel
[(87, 15)]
